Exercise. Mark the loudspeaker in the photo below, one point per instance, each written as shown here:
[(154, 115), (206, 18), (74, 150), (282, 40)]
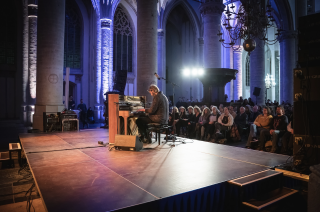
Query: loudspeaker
[(306, 150), (120, 81), (256, 91), (128, 143)]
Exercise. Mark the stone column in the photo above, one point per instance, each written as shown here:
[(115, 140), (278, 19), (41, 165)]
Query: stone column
[(237, 64), (106, 56), (211, 13), (287, 64), (98, 96), (257, 72), (147, 19), (161, 60), (25, 39), (50, 59), (199, 93)]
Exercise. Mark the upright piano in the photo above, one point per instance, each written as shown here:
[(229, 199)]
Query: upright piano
[(122, 108)]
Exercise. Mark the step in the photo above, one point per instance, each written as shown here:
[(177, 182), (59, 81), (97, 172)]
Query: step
[(294, 175), (4, 156), (250, 179), (269, 198)]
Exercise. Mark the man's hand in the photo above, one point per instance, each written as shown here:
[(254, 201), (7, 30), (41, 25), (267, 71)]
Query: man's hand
[(141, 110), (292, 131), (271, 131), (189, 123)]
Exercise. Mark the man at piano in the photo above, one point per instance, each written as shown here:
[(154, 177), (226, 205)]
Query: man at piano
[(158, 113)]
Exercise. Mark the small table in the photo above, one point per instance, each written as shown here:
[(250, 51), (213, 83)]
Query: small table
[(15, 147)]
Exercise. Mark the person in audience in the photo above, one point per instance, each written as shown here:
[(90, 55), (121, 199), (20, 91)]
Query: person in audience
[(241, 120), (235, 109), (287, 140), (275, 103), (255, 113), (221, 108), (248, 110), (280, 122), (212, 120), (176, 115), (231, 111), (203, 122), (245, 102), (83, 113), (250, 102), (260, 109), (240, 99), (192, 121), (225, 121), (262, 122), (182, 120)]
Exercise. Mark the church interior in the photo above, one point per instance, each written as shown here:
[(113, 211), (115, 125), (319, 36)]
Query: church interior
[(74, 75)]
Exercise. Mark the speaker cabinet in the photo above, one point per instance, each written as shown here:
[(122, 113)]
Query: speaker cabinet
[(128, 143), (256, 91)]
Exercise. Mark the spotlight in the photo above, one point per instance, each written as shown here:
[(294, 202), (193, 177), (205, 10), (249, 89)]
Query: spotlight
[(200, 71), (186, 72), (194, 72)]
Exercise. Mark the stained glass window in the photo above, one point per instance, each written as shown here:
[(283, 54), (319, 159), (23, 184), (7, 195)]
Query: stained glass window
[(72, 50), (122, 42), (8, 33)]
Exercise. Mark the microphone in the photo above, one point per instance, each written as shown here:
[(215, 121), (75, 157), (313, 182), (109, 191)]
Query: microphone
[(158, 77)]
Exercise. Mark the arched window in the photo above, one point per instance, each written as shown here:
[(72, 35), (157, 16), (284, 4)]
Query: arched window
[(248, 70), (8, 33), (72, 33), (122, 42)]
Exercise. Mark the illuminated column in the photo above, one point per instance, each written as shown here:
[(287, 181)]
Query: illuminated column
[(211, 13), (257, 72), (24, 61), (161, 60), (98, 96), (50, 59), (287, 64), (237, 64), (147, 40), (33, 21), (106, 56)]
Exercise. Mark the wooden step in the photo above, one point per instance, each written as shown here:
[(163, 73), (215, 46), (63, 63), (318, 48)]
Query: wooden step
[(4, 156), (249, 179), (294, 175), (269, 198)]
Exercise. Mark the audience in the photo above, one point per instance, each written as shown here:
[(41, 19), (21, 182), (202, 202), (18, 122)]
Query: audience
[(280, 122), (192, 121), (262, 122), (255, 113), (241, 120), (248, 110), (202, 123), (250, 102), (231, 111), (245, 102), (182, 120), (212, 120), (225, 122)]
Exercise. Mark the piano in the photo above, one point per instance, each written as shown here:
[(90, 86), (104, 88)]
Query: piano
[(122, 108)]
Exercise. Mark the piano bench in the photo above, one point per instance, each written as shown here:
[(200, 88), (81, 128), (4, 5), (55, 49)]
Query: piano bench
[(157, 128)]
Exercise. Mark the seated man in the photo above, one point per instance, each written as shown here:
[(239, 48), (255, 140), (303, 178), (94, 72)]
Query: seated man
[(158, 112), (262, 122), (225, 121), (280, 123), (255, 113), (287, 140), (241, 120)]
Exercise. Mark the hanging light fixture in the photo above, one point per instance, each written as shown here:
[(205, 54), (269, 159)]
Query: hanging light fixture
[(251, 22)]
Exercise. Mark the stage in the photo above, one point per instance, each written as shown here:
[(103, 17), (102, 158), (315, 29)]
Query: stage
[(74, 173)]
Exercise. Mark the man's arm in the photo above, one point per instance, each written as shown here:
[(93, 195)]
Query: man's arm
[(154, 105)]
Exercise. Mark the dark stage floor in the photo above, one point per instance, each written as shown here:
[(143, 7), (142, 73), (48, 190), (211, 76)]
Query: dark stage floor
[(74, 173)]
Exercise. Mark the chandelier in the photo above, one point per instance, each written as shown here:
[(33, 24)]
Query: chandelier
[(270, 82), (251, 22)]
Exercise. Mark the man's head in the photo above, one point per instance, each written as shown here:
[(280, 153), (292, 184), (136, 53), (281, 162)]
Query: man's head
[(242, 110), (70, 97), (226, 111), (241, 98), (280, 110), (153, 90), (81, 101), (255, 109)]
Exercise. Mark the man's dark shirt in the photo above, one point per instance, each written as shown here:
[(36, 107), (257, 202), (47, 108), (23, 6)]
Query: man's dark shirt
[(241, 119), (72, 104), (159, 110), (82, 107), (280, 123), (253, 116)]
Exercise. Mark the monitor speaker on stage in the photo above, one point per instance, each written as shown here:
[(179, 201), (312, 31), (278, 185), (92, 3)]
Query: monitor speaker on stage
[(128, 142), (256, 91), (120, 81)]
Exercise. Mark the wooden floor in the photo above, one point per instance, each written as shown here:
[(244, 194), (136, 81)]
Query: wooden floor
[(74, 173)]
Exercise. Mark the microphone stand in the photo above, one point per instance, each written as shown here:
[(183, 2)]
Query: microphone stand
[(173, 124)]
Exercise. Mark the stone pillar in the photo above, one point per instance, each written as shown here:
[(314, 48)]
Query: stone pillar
[(147, 22), (161, 60), (25, 39), (237, 64), (257, 72), (106, 56), (50, 59), (98, 94), (199, 94), (287, 64), (211, 13)]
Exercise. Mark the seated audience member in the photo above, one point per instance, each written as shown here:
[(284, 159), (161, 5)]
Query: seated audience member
[(225, 122), (212, 120), (203, 122), (260, 109), (255, 113), (245, 102), (250, 102), (241, 119), (240, 99), (262, 122), (231, 111), (275, 103), (182, 120), (287, 140), (221, 108), (280, 122), (192, 121), (247, 110), (176, 116)]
